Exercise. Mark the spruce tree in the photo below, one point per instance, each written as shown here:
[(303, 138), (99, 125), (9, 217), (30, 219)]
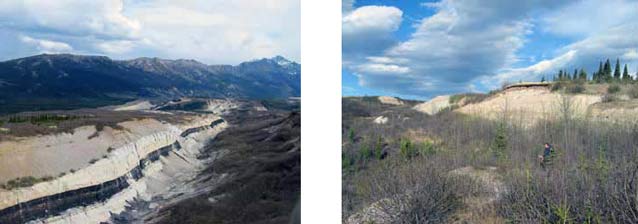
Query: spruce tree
[(625, 75), (560, 75), (499, 144), (543, 79), (599, 73), (582, 75), (617, 70), (607, 70)]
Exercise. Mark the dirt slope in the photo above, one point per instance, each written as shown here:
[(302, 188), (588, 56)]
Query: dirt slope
[(434, 106), (530, 105)]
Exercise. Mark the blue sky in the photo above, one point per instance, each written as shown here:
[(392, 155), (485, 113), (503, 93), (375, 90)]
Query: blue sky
[(210, 31), (420, 49)]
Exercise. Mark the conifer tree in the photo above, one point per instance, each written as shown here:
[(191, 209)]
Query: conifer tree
[(582, 75), (598, 75), (625, 75), (560, 75), (607, 71), (543, 79), (617, 70)]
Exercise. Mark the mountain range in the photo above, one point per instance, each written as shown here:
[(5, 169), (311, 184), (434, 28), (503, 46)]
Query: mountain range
[(66, 81)]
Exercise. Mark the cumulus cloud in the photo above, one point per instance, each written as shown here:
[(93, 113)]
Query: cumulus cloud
[(210, 31), (536, 71), (46, 46), (461, 41), (368, 30), (76, 18), (469, 45)]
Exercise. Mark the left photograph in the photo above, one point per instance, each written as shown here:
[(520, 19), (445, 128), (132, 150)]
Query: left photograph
[(150, 111)]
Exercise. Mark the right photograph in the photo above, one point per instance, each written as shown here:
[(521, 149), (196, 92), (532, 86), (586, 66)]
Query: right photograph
[(467, 111)]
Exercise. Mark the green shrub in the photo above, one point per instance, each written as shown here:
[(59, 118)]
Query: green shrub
[(407, 149), (499, 144), (557, 86), (351, 135), (346, 161), (614, 88), (378, 148), (428, 148), (365, 153), (575, 88), (25, 182)]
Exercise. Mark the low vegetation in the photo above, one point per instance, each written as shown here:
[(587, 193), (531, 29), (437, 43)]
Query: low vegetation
[(24, 182), (592, 180)]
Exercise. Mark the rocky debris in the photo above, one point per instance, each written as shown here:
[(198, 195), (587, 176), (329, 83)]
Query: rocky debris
[(381, 120), (390, 100), (434, 106)]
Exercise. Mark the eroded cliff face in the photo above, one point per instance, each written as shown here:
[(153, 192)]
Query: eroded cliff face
[(144, 159)]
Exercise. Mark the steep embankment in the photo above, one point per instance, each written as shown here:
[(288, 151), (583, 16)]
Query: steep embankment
[(255, 177), (531, 104), (94, 186), (527, 105)]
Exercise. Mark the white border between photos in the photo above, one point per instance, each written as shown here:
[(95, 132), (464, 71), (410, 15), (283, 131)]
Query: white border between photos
[(321, 111)]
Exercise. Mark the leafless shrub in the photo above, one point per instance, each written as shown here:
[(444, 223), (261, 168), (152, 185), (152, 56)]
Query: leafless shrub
[(593, 178), (420, 191)]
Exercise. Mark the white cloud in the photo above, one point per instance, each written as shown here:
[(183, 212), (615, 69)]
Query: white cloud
[(216, 31), (372, 18), (463, 40), (589, 17), (46, 46), (116, 47), (472, 44), (383, 69), (368, 30), (75, 18), (631, 54), (532, 72)]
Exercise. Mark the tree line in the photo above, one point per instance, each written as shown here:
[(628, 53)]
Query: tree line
[(604, 74)]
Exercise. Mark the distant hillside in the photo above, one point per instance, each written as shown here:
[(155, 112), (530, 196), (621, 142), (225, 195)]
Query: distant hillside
[(65, 81)]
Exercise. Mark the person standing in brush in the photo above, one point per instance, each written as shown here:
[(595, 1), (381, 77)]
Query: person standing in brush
[(546, 158)]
